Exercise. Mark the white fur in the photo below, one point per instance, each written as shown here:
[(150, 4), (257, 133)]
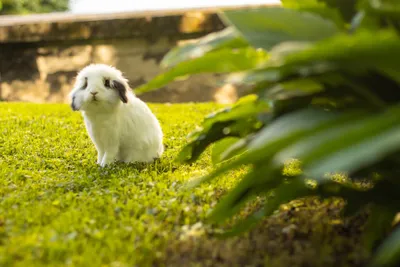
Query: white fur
[(127, 132)]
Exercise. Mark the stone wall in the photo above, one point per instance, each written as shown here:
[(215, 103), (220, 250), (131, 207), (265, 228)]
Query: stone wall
[(41, 54)]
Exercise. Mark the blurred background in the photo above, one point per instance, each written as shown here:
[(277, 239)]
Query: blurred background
[(44, 43)]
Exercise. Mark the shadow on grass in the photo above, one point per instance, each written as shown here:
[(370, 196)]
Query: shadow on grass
[(86, 175), (305, 233)]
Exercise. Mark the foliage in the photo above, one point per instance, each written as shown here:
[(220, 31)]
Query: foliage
[(32, 6), (326, 93)]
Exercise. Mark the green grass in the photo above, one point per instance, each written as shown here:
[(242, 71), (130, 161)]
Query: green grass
[(58, 208)]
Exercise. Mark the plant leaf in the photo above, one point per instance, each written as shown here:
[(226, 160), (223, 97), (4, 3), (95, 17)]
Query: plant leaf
[(246, 106), (266, 27), (244, 191), (278, 135), (318, 7), (337, 149), (227, 38), (294, 88), (236, 148), (379, 222), (354, 54), (347, 8), (359, 51), (385, 8), (388, 253), (236, 121), (220, 147), (295, 188), (244, 225), (221, 61)]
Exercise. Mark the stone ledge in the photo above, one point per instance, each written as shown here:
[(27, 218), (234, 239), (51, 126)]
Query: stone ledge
[(111, 28), (71, 27)]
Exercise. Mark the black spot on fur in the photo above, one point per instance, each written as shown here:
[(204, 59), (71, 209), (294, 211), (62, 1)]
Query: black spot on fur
[(85, 84), (121, 89), (73, 106), (107, 83)]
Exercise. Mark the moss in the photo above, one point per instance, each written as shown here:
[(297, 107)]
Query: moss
[(58, 208)]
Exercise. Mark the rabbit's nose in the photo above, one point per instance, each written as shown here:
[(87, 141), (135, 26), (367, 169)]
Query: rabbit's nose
[(94, 93)]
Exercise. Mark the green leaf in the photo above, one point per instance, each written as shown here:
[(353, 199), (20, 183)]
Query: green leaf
[(393, 74), (347, 8), (373, 148), (286, 105), (294, 88), (299, 187), (221, 61), (359, 51), (217, 131), (293, 127), (355, 54), (262, 150), (267, 27), (338, 149), (236, 148), (388, 254), (317, 7), (294, 188), (357, 88), (248, 105), (244, 225), (227, 38), (362, 21), (382, 193), (329, 59), (286, 192), (291, 77), (237, 121), (379, 222), (192, 151), (220, 147), (232, 202), (385, 8), (278, 135), (271, 139)]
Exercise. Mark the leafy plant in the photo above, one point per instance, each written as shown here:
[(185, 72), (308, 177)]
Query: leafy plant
[(324, 84)]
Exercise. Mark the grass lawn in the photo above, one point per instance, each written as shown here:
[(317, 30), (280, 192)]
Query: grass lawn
[(58, 208)]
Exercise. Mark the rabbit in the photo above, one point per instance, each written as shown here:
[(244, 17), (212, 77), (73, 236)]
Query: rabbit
[(120, 125)]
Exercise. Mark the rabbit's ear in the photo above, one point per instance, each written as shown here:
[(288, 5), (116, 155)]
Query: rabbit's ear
[(121, 89), (73, 104)]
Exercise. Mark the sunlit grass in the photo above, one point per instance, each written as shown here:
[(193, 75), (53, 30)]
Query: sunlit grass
[(58, 208)]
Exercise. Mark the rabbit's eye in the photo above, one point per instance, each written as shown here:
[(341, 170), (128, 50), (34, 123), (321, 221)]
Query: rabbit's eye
[(84, 85), (107, 83)]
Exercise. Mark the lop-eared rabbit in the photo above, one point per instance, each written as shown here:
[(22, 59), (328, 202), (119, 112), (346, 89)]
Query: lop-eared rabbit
[(121, 126)]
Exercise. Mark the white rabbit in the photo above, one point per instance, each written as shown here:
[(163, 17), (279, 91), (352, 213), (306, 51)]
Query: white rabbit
[(121, 126)]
